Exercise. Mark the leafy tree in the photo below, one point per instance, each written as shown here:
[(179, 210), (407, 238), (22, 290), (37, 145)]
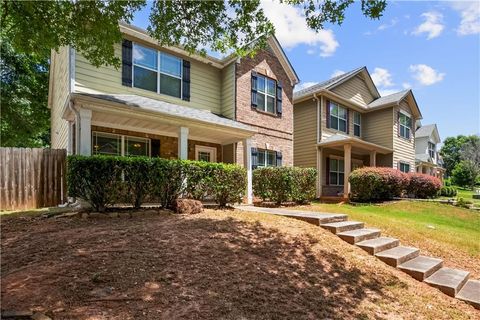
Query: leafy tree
[(91, 27), (25, 118), (471, 150), (450, 152), (465, 174)]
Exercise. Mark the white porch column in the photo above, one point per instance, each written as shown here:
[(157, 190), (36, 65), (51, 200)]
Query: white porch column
[(347, 160), (373, 158), (183, 143), (319, 171), (85, 137), (247, 158)]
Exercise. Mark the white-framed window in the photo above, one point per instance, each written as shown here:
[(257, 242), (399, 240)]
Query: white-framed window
[(266, 158), (357, 124), (266, 93), (431, 149), (156, 71), (404, 167), (405, 123), (119, 145), (204, 153), (338, 117), (336, 173)]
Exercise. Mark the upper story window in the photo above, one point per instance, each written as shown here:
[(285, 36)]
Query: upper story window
[(357, 124), (405, 123), (338, 117), (266, 94), (431, 149), (157, 71)]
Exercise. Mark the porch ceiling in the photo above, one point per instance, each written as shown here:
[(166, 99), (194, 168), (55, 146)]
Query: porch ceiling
[(359, 146), (140, 114)]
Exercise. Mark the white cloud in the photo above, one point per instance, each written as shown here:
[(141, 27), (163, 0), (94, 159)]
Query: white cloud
[(426, 75), (292, 30), (382, 77), (310, 51), (470, 13), (387, 92), (336, 73), (384, 26), (304, 85), (406, 85), (432, 26)]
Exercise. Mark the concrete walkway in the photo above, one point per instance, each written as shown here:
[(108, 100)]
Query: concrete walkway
[(453, 282)]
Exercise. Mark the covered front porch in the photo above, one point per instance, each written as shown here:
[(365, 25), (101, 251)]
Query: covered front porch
[(430, 169), (129, 125), (338, 156)]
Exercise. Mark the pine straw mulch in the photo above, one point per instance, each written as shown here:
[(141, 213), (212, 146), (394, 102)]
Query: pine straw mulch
[(215, 265)]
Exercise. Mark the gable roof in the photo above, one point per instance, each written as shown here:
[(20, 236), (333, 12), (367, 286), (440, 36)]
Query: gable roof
[(427, 131), (335, 81), (391, 98), (277, 49)]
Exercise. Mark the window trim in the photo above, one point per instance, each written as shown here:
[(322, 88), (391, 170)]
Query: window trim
[(159, 73), (406, 115), (331, 104), (404, 163), (211, 150), (122, 142), (274, 96), (357, 124), (338, 159), (431, 150), (265, 164)]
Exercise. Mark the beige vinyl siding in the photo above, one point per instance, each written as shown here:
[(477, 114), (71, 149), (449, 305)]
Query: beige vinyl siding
[(305, 134), (404, 150), (356, 90), (377, 127), (205, 83), (60, 91), (228, 91)]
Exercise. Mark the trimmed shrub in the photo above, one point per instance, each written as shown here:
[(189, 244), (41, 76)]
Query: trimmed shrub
[(106, 180), (376, 184), (281, 184), (96, 179), (448, 192), (423, 186)]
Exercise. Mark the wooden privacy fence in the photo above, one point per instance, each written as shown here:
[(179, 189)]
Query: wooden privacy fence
[(32, 178)]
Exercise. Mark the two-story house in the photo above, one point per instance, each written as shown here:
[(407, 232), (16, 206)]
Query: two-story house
[(164, 102), (343, 123), (427, 158)]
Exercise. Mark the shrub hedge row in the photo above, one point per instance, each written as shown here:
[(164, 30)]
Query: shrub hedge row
[(281, 184), (448, 192), (105, 180), (376, 184)]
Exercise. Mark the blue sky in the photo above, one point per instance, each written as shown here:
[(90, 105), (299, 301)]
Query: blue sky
[(431, 47)]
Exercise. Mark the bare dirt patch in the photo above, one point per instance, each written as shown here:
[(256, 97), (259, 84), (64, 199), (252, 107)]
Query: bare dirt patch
[(219, 264)]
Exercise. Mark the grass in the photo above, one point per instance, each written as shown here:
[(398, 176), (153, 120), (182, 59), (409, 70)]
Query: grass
[(467, 195), (221, 264), (440, 230)]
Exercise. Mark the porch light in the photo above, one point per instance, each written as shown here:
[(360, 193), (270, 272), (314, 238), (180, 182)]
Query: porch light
[(137, 145)]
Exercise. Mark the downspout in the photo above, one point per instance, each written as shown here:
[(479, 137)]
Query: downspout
[(71, 106), (319, 116)]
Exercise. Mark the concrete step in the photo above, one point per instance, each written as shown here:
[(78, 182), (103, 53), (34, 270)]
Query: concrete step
[(398, 255), (374, 246), (337, 227), (470, 293), (354, 236), (421, 267), (448, 280)]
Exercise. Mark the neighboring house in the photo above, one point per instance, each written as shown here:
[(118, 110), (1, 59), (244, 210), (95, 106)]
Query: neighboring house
[(427, 158), (163, 102), (343, 123)]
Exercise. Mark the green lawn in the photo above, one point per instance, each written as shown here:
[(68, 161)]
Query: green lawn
[(437, 229), (467, 195)]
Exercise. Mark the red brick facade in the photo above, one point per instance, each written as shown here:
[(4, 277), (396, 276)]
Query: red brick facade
[(274, 132)]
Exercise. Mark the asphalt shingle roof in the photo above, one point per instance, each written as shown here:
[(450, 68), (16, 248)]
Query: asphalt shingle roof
[(170, 109), (425, 131), (391, 98)]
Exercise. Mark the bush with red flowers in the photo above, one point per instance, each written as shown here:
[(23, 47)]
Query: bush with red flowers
[(423, 186), (377, 184)]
